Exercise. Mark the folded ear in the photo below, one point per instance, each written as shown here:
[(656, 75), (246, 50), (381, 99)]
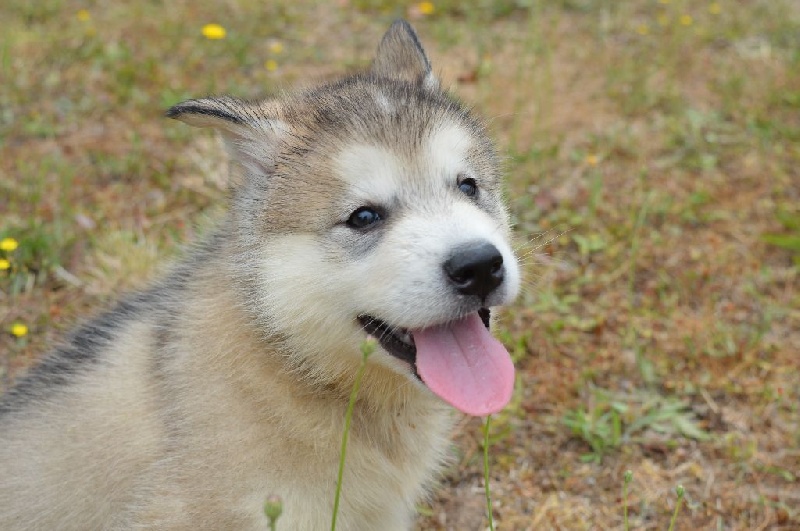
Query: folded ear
[(252, 130), (400, 56)]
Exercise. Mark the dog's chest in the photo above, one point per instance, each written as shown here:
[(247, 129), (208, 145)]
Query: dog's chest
[(387, 469)]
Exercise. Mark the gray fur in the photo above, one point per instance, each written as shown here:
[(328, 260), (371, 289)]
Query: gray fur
[(187, 404)]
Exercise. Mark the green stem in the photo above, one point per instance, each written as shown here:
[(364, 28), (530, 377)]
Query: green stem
[(273, 508), (486, 472), (680, 493), (367, 347), (626, 482)]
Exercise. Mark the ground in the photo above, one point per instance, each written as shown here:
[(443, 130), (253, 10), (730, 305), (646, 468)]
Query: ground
[(653, 158)]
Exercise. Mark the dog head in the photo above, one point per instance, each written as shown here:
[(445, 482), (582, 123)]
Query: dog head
[(373, 204)]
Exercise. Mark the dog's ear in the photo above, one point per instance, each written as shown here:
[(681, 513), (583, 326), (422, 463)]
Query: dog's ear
[(252, 131), (400, 56), (231, 116)]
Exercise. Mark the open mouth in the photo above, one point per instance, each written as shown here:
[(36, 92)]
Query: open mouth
[(399, 342), (458, 360)]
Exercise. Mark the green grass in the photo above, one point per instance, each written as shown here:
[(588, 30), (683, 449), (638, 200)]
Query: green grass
[(652, 163), (789, 238), (626, 482), (609, 420)]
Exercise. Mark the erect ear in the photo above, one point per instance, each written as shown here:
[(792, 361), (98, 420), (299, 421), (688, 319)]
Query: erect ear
[(252, 130), (400, 56)]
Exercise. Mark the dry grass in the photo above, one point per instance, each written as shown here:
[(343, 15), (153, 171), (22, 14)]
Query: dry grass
[(650, 155)]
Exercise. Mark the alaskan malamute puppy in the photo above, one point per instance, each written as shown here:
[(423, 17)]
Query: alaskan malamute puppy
[(368, 206)]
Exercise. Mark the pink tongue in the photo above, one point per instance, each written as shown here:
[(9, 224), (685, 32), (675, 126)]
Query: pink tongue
[(465, 366)]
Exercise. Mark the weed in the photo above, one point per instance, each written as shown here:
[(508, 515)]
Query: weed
[(626, 483), (367, 348), (36, 255), (790, 241), (486, 472), (600, 427), (273, 508), (611, 420), (680, 492)]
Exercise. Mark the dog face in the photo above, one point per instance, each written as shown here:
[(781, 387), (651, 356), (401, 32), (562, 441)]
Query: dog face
[(373, 204)]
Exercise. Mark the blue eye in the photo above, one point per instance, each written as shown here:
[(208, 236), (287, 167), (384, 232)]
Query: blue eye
[(363, 217), (468, 187)]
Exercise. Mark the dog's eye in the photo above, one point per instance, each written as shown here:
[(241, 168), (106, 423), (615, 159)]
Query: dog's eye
[(468, 187), (363, 217)]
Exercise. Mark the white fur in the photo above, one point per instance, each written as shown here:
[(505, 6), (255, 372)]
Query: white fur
[(447, 147), (383, 102), (228, 380), (402, 282), (374, 174)]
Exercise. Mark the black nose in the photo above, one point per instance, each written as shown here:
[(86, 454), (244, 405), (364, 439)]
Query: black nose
[(475, 269)]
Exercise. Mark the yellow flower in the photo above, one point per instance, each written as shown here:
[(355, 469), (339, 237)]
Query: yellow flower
[(663, 19), (686, 20), (643, 29), (276, 47), (4, 264), (19, 329), (271, 65), (213, 31), (715, 9), (83, 15), (426, 8), (592, 160), (8, 244)]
